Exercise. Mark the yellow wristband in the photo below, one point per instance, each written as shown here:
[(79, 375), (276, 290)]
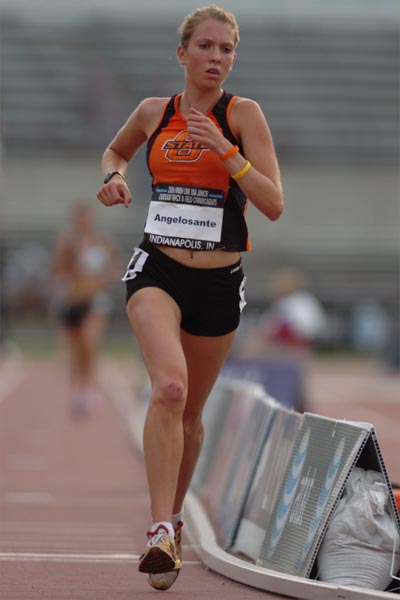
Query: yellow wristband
[(242, 172)]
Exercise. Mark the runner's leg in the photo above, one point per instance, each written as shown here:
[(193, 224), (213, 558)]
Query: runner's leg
[(204, 358), (155, 318)]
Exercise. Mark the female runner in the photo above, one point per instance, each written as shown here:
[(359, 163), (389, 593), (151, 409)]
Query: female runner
[(208, 153)]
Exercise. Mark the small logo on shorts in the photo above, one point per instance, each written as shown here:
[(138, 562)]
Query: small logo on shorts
[(234, 270)]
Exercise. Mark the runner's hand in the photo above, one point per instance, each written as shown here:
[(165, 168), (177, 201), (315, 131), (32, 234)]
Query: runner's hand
[(114, 192), (202, 129)]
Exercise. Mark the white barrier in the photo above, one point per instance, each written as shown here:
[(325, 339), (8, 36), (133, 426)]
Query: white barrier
[(273, 477), (266, 486)]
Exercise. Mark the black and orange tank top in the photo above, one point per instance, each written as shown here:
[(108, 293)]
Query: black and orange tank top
[(195, 203)]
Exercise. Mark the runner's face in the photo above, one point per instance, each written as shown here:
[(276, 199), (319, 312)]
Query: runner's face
[(210, 53)]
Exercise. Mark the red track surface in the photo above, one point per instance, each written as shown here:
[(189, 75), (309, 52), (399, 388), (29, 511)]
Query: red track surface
[(73, 496), (73, 503), (360, 391)]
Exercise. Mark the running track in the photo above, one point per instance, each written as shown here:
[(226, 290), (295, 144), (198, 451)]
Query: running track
[(73, 498)]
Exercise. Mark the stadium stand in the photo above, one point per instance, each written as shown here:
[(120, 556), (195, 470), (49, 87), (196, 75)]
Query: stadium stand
[(329, 88), (319, 85)]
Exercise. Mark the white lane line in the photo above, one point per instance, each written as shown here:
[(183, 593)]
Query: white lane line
[(70, 557), (63, 527), (29, 498), (19, 497), (46, 498), (73, 557), (33, 547), (27, 462)]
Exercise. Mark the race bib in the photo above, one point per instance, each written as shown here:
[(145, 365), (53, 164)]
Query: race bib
[(184, 212)]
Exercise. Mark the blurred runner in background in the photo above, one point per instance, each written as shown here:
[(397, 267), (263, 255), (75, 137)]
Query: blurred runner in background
[(85, 265)]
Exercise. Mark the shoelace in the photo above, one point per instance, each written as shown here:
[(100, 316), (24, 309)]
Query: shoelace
[(156, 536)]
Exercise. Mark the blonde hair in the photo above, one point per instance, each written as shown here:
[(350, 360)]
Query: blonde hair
[(199, 15)]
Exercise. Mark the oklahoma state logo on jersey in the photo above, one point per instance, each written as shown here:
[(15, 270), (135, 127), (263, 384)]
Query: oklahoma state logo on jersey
[(182, 148)]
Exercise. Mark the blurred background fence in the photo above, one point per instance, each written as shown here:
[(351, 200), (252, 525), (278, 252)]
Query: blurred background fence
[(327, 78)]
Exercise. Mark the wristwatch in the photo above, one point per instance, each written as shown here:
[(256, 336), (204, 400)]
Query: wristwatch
[(110, 175)]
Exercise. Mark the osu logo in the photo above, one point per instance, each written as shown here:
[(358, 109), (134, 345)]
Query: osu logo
[(180, 148)]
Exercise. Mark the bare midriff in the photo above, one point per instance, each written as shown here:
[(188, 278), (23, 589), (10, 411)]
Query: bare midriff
[(201, 259)]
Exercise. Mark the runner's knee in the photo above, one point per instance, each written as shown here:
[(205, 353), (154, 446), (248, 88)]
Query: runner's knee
[(170, 393)]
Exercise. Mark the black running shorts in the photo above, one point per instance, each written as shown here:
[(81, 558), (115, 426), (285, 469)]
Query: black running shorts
[(210, 300), (72, 315)]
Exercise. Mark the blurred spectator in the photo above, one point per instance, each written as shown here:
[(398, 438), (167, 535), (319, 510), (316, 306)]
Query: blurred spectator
[(272, 352), (25, 276), (370, 326), (294, 319), (85, 265)]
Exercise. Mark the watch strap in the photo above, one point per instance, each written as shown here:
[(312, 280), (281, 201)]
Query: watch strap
[(110, 175)]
